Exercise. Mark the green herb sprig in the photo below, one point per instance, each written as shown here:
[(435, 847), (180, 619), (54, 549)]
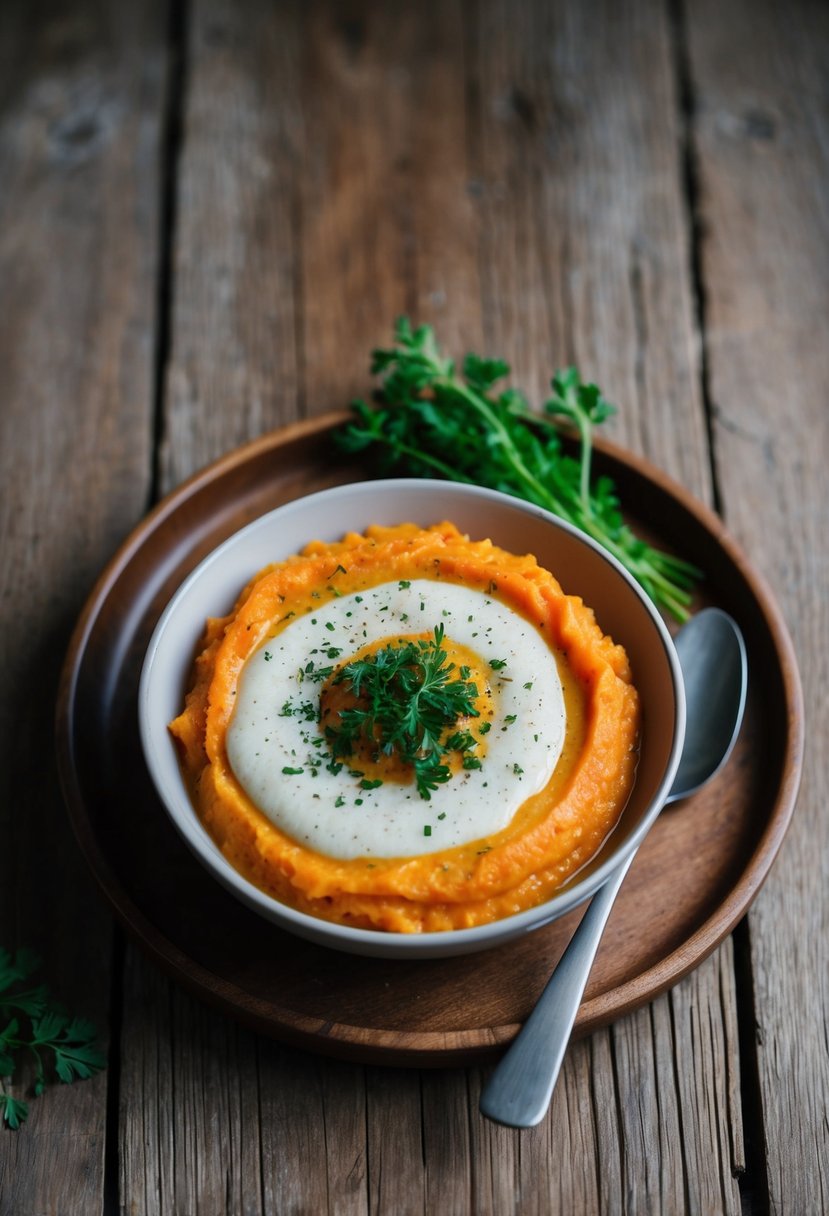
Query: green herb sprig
[(432, 422), (30, 1021), (410, 700)]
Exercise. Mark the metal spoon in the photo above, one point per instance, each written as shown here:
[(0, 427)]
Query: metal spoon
[(712, 656)]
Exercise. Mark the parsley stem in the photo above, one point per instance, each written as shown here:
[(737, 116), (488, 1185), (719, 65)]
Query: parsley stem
[(479, 403), (439, 466)]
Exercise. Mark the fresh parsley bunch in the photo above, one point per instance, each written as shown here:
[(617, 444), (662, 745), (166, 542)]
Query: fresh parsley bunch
[(431, 421), (31, 1022)]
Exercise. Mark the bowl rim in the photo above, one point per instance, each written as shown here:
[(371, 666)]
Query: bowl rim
[(381, 942)]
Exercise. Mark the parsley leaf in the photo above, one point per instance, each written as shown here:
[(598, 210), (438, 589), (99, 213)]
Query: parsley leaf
[(30, 1021), (14, 1111)]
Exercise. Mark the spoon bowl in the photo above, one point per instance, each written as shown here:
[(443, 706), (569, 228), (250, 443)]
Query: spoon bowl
[(712, 656)]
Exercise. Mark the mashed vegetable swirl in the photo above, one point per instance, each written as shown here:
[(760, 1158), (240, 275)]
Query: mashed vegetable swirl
[(538, 769)]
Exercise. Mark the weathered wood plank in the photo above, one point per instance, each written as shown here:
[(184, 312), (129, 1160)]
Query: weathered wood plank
[(385, 149), (313, 1121), (200, 1152), (360, 92), (81, 105), (234, 366), (762, 134), (677, 1084), (449, 1168), (146, 1149), (703, 1013)]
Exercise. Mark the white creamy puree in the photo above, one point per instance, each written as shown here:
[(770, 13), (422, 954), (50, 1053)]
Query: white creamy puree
[(275, 725)]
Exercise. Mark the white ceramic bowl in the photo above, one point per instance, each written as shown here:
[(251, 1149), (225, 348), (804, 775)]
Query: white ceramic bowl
[(582, 567)]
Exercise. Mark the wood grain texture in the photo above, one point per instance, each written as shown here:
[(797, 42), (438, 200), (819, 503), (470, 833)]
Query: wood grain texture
[(234, 369), (339, 166), (80, 115), (384, 153), (313, 1133), (761, 138), (507, 206), (553, 182), (584, 249)]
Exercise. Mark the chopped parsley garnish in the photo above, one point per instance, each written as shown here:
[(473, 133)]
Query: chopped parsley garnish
[(460, 741), (409, 703), (497, 664), (292, 772), (404, 584), (317, 673)]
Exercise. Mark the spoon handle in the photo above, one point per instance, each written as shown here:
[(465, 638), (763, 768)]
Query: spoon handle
[(518, 1092)]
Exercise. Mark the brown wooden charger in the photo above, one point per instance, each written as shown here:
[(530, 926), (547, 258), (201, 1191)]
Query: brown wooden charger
[(694, 877)]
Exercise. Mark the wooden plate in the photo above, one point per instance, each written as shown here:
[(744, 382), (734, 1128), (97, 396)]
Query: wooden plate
[(693, 879)]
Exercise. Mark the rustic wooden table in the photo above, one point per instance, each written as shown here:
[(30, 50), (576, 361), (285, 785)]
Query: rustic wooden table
[(211, 211)]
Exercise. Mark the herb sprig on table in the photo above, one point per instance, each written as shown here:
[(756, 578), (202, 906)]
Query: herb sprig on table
[(409, 696), (31, 1022), (431, 421)]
